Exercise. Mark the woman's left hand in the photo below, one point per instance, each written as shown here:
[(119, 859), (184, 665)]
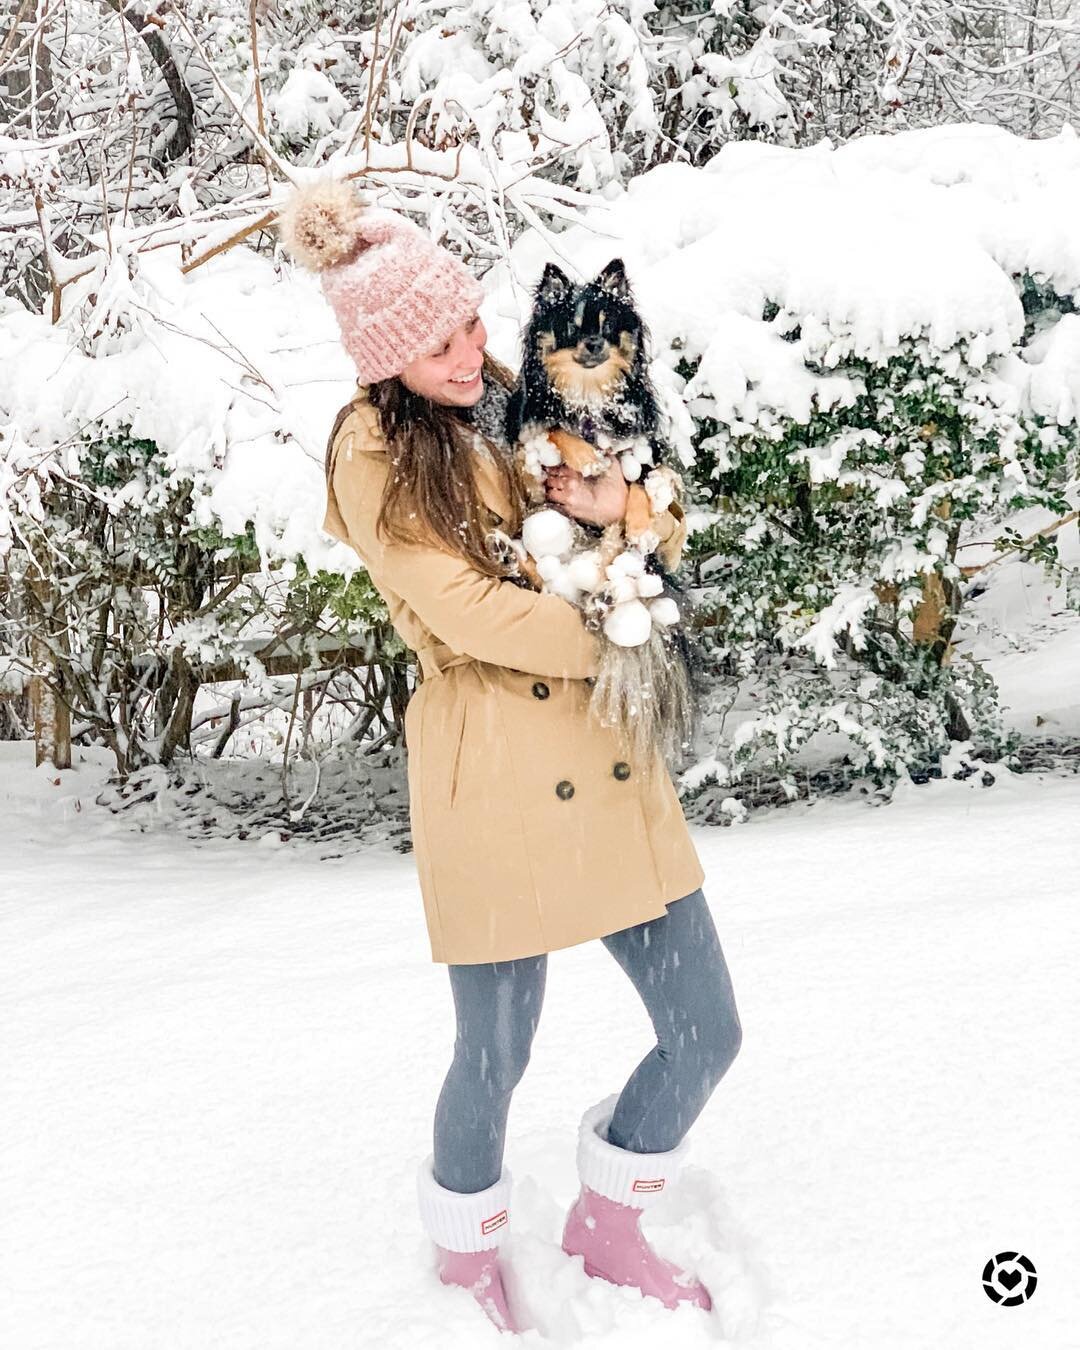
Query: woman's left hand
[(600, 500)]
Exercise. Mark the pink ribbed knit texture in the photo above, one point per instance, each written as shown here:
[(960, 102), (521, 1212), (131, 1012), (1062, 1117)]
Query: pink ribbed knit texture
[(399, 298)]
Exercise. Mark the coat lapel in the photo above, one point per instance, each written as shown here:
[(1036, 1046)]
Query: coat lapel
[(489, 486)]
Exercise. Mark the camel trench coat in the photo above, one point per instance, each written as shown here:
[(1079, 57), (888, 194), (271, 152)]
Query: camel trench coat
[(531, 832)]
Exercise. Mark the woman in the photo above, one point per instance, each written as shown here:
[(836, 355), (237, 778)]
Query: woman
[(531, 830)]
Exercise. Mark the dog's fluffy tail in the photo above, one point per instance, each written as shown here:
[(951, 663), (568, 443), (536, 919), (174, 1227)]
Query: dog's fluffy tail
[(645, 692)]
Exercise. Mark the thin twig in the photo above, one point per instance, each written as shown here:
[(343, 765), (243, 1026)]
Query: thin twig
[(259, 114), (1047, 529), (263, 222), (365, 121)]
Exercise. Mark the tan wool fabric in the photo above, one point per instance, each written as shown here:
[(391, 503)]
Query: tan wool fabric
[(531, 831)]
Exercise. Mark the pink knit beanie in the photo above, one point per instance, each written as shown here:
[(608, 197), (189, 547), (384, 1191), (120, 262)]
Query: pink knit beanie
[(396, 295)]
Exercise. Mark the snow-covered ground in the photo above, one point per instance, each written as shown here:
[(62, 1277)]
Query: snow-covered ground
[(220, 1064)]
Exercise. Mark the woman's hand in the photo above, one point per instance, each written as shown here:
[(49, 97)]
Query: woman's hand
[(600, 500)]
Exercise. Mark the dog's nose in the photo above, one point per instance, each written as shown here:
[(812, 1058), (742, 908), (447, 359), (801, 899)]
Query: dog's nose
[(593, 344)]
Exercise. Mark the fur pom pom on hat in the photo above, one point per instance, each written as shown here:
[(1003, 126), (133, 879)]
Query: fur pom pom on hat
[(396, 295), (320, 224)]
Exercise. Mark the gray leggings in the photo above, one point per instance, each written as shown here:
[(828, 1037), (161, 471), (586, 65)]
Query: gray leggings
[(677, 967)]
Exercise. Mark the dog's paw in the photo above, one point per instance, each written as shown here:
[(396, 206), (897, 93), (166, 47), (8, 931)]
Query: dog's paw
[(499, 547), (587, 459), (663, 485), (536, 452), (645, 540), (597, 607)]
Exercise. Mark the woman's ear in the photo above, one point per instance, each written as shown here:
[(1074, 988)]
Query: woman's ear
[(554, 285)]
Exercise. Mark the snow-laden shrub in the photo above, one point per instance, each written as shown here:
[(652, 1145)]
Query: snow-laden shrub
[(862, 389), (129, 605), (159, 481), (830, 569)]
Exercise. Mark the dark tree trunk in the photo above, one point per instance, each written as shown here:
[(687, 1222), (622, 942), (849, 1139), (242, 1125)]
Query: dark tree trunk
[(184, 135)]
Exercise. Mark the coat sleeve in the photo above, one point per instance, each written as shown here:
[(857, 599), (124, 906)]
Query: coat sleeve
[(483, 617)]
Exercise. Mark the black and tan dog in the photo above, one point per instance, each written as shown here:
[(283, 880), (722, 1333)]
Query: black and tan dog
[(585, 382), (584, 386)]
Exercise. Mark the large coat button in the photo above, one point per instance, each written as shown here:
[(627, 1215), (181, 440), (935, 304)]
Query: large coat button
[(540, 689), (564, 790), (621, 771)]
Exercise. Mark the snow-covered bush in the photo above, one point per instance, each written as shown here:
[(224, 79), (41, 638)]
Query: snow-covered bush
[(134, 605), (830, 569), (160, 479)]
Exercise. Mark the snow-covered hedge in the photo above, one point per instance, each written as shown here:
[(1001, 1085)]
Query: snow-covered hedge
[(861, 350)]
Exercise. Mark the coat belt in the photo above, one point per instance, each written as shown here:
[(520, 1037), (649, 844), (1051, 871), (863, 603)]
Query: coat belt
[(437, 657)]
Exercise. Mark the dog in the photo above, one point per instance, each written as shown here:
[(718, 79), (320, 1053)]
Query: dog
[(584, 397), (585, 385)]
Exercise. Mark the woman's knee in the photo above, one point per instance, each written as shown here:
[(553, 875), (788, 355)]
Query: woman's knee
[(507, 1063), (719, 1025), (495, 1066), (729, 1041), (713, 1038)]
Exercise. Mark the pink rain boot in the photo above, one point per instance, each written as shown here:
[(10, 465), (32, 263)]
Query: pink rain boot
[(603, 1223), (467, 1227), (480, 1272)]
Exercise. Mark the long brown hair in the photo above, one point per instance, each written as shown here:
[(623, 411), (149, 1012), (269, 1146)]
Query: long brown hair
[(432, 492)]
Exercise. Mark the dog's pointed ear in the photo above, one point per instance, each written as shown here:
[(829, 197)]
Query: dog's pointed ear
[(613, 279), (554, 285)]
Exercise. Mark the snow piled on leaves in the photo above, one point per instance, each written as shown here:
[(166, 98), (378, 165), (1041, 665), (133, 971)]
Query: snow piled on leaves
[(578, 66), (307, 104), (234, 372), (859, 248), (913, 235)]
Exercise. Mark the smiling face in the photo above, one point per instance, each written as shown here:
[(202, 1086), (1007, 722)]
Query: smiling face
[(451, 375)]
